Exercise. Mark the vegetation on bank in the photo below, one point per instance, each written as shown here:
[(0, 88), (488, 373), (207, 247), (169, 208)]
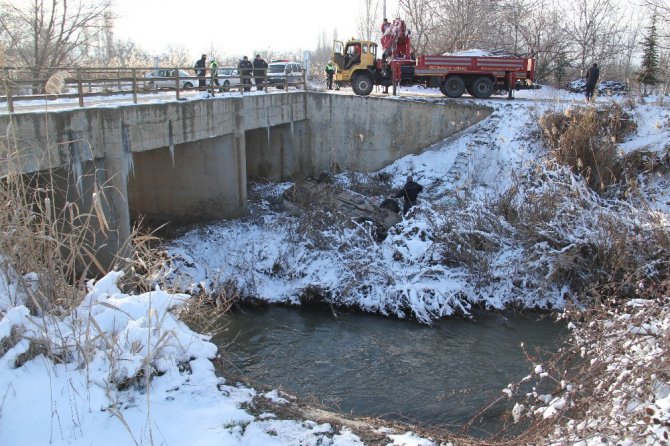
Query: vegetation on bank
[(578, 218)]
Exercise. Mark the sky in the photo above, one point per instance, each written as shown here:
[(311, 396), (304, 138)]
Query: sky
[(236, 28)]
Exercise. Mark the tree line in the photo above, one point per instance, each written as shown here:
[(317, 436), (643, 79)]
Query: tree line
[(630, 42), (49, 34)]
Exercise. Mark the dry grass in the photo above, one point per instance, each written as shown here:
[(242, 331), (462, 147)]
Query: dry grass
[(40, 237), (470, 236), (585, 139)]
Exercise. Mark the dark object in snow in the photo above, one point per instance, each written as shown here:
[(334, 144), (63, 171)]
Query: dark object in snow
[(409, 193), (324, 194), (391, 205), (604, 88)]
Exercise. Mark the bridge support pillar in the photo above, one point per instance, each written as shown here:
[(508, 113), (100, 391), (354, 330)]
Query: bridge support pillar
[(196, 181)]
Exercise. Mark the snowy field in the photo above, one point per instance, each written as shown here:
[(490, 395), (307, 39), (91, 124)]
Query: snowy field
[(99, 392)]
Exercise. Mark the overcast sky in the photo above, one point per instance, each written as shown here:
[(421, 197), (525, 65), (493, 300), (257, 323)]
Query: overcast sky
[(236, 28)]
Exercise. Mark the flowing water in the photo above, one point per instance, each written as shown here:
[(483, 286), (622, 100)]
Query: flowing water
[(374, 366)]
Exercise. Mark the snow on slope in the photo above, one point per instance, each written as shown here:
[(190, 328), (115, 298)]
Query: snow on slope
[(276, 257)]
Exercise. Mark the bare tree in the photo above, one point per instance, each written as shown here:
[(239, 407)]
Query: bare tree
[(462, 24), (52, 33), (595, 30), (322, 53), (369, 21), (417, 14), (179, 56), (536, 29)]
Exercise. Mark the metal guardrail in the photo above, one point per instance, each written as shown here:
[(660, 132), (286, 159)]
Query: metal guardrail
[(25, 83)]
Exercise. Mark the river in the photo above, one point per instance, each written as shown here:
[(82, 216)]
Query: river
[(367, 365)]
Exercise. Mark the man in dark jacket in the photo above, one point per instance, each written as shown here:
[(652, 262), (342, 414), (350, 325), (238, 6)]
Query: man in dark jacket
[(592, 75), (200, 71), (260, 71), (246, 68), (409, 193)]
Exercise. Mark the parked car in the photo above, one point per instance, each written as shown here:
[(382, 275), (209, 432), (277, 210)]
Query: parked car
[(165, 78), (280, 73), (228, 78)]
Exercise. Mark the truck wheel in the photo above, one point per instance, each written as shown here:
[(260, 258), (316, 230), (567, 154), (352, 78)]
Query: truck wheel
[(482, 87), (226, 86), (362, 84), (453, 87)]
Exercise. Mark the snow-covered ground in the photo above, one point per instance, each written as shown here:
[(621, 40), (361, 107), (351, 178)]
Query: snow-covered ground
[(269, 255), (129, 372)]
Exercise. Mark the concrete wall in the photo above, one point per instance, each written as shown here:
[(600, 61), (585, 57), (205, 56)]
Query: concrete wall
[(367, 134), (197, 181), (279, 153)]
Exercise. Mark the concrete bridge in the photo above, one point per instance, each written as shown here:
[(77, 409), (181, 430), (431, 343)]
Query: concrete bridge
[(190, 161)]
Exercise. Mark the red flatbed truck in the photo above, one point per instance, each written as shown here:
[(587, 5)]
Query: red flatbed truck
[(481, 76)]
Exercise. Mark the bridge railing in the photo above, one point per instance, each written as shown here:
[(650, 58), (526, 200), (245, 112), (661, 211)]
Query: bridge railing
[(29, 83)]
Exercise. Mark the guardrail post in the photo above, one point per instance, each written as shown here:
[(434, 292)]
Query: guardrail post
[(8, 90), (176, 80), (80, 88), (134, 71)]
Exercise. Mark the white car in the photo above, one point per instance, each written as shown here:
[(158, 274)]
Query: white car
[(280, 73), (228, 77), (165, 78)]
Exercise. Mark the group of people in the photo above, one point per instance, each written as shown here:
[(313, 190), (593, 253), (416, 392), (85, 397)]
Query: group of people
[(257, 69), (247, 69)]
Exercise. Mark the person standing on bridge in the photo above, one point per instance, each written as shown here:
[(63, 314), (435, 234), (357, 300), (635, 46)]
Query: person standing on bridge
[(330, 72), (214, 73), (200, 71), (409, 193), (260, 71), (245, 67)]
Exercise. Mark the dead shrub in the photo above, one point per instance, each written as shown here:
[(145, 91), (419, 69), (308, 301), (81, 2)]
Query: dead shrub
[(370, 185), (470, 236), (572, 237), (42, 236), (606, 374), (204, 310), (585, 139), (50, 226), (8, 342)]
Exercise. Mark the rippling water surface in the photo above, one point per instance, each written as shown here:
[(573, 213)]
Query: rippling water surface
[(371, 365)]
